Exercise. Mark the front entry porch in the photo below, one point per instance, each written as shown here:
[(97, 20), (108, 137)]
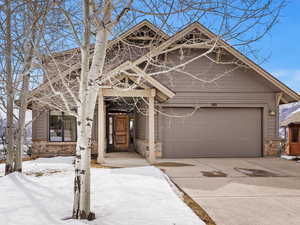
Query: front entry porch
[(116, 124)]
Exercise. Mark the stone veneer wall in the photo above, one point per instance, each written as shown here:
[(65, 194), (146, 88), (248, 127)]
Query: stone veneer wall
[(48, 149), (142, 148), (287, 149), (273, 147)]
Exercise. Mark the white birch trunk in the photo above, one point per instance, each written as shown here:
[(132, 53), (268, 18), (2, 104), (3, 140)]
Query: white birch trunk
[(81, 206), (81, 146), (9, 92), (23, 107), (21, 125), (88, 96)]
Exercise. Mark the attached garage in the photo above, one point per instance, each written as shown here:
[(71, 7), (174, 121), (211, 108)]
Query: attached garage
[(212, 132)]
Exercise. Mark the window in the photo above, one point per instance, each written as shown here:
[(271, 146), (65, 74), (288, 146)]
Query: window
[(295, 134), (110, 130), (62, 127)]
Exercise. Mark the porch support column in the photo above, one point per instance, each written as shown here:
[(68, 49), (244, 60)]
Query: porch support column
[(101, 127), (151, 140)]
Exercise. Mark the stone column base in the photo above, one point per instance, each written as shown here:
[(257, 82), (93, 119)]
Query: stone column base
[(273, 147)]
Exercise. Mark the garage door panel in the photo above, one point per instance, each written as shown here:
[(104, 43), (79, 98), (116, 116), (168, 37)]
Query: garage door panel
[(213, 132)]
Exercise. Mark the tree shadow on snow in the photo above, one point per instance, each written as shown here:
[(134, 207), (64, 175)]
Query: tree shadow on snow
[(33, 190)]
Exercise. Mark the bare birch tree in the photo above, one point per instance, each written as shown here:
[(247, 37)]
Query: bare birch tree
[(73, 87), (33, 16), (22, 28), (9, 89)]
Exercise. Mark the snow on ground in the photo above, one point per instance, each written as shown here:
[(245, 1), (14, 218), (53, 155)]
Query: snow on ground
[(129, 196), (2, 153)]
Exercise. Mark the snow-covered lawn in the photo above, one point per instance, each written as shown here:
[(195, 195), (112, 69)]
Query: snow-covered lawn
[(129, 196)]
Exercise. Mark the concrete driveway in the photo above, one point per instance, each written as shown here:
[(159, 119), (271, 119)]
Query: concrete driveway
[(252, 191)]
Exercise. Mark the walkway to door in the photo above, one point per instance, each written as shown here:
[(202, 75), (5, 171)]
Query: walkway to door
[(124, 159)]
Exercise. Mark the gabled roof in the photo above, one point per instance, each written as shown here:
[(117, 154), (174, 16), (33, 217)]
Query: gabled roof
[(196, 25), (291, 95), (160, 87), (284, 88), (146, 23), (123, 35), (147, 82)]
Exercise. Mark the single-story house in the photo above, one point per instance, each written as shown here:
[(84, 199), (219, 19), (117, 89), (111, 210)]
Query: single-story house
[(236, 116), (292, 134)]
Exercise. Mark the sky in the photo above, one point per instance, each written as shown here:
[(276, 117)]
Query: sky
[(282, 47)]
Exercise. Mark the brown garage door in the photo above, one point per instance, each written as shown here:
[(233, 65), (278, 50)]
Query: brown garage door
[(212, 132)]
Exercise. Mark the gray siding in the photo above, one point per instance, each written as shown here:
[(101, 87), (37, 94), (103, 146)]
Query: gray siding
[(141, 126), (95, 125), (240, 80), (39, 124)]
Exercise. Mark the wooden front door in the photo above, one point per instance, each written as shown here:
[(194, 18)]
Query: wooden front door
[(121, 139), (294, 139)]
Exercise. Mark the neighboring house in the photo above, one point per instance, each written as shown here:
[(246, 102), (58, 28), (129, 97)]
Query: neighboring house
[(237, 116)]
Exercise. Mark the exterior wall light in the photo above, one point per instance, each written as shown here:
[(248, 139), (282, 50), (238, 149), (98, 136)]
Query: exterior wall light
[(272, 113)]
